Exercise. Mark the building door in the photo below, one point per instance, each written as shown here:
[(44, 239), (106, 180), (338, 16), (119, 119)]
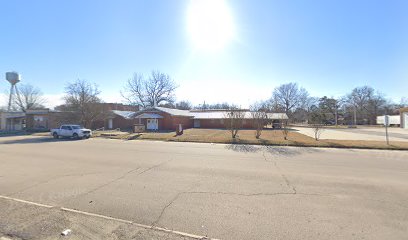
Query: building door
[(196, 123), (152, 124), (110, 123)]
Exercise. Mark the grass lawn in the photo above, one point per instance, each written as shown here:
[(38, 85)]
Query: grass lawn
[(268, 137)]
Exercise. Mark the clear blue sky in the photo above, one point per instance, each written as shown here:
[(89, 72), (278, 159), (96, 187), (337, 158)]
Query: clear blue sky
[(328, 47)]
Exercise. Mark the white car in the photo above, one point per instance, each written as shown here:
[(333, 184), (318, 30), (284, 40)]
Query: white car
[(72, 131)]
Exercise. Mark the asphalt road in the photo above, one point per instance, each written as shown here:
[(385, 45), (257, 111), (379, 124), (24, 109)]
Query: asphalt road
[(220, 191)]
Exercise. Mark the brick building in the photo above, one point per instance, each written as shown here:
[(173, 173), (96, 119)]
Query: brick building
[(43, 119), (160, 118)]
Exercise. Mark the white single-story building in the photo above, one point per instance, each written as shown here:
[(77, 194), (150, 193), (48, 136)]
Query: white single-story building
[(392, 120)]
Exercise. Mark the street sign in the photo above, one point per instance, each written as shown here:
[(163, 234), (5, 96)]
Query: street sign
[(386, 124), (386, 120)]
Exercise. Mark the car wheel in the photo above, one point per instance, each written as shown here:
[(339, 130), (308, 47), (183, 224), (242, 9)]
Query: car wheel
[(75, 136), (55, 135)]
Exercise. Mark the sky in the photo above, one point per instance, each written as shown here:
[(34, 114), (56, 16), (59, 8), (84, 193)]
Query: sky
[(234, 51)]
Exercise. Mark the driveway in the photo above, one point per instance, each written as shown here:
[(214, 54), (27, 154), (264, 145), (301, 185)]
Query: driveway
[(361, 133), (215, 190)]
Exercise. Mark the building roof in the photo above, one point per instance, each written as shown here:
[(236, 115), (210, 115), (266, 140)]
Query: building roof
[(223, 114), (210, 114), (148, 115), (277, 116), (12, 114), (124, 114), (174, 112)]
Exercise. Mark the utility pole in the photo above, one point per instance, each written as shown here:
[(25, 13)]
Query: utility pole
[(386, 123), (355, 116), (335, 117)]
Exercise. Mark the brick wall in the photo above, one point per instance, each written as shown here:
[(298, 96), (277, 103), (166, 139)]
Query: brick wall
[(220, 123), (169, 122)]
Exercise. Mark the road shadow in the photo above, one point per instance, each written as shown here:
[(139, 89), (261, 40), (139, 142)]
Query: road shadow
[(35, 140), (274, 150), (243, 148), (289, 151)]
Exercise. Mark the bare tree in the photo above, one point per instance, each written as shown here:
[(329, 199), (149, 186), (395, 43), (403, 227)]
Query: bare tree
[(285, 129), (317, 130), (303, 112), (259, 118), (158, 89), (366, 103), (233, 121), (216, 106), (28, 97), (288, 97), (83, 102), (184, 105)]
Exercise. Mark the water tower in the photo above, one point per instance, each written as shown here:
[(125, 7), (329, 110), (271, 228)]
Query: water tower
[(13, 78)]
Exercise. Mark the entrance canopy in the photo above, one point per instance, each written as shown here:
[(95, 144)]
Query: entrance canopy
[(149, 115)]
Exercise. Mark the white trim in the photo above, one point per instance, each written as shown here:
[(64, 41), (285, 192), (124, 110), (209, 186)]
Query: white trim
[(152, 124)]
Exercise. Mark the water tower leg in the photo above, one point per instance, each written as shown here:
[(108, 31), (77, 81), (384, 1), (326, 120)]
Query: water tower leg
[(10, 97)]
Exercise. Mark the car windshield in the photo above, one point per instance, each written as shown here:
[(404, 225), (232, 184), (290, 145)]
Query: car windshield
[(76, 127)]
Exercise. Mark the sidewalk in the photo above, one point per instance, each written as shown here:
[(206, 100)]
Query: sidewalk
[(364, 134), (24, 220)]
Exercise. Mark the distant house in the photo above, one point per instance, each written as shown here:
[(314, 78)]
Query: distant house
[(31, 120), (160, 118), (12, 121), (115, 115), (43, 119)]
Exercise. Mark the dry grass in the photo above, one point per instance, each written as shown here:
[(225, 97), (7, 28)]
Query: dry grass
[(268, 137)]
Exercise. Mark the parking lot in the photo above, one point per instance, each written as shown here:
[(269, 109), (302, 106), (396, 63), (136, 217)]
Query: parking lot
[(361, 133), (215, 190)]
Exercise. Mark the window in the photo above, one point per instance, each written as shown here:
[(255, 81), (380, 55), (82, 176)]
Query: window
[(38, 118)]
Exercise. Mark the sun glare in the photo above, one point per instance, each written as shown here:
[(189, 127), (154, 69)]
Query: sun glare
[(210, 24)]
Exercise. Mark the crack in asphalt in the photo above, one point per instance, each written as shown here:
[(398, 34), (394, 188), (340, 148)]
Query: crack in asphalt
[(252, 194), (288, 183), (230, 194), (165, 208), (112, 181), (123, 176), (49, 180), (171, 202)]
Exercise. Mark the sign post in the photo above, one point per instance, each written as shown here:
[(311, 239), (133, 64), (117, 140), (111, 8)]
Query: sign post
[(386, 123)]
